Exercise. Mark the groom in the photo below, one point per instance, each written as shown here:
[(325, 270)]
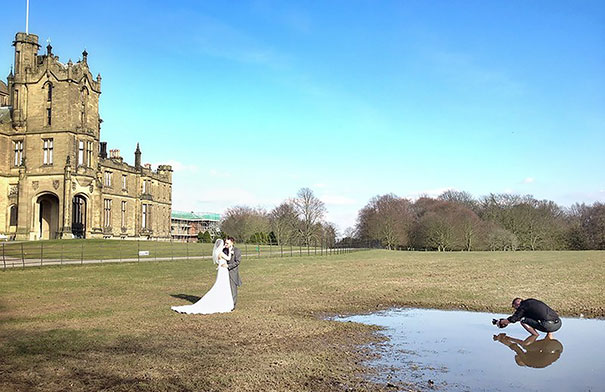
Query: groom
[(233, 270)]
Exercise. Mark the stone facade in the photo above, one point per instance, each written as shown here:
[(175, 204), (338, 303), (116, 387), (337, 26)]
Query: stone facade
[(56, 180)]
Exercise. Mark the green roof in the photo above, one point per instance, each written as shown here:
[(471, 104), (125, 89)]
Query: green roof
[(209, 216)]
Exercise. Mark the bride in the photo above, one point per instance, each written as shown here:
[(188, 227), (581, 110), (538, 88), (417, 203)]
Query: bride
[(219, 298)]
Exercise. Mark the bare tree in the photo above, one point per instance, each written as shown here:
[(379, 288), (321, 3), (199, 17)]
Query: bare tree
[(536, 224), (329, 234), (388, 219), (460, 197), (310, 211), (501, 239), (244, 222), (446, 225), (284, 221), (587, 226)]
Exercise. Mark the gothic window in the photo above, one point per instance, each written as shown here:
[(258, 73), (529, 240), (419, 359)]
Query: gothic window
[(146, 218), (49, 116), (124, 182), (18, 150), (108, 175), (13, 215), (49, 86), (107, 213), (146, 187), (81, 153), (48, 151), (89, 154), (123, 214)]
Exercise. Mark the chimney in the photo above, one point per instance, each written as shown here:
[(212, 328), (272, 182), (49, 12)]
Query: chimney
[(103, 152), (137, 157)]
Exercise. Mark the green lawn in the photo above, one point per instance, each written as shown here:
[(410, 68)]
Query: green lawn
[(109, 326)]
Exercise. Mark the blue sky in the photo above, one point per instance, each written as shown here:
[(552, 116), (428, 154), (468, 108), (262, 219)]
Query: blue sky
[(250, 101)]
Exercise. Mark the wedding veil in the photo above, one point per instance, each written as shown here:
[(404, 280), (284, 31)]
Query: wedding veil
[(218, 248)]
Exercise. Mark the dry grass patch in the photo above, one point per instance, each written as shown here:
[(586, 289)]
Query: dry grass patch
[(110, 327)]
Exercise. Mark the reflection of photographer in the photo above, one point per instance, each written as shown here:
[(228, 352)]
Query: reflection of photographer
[(532, 352), (534, 315)]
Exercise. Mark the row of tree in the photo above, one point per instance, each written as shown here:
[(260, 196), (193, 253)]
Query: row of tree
[(457, 221), (453, 221), (298, 221)]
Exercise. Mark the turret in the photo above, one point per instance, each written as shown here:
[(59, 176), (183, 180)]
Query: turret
[(26, 50)]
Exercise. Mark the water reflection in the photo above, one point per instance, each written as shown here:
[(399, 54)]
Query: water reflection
[(532, 352), (461, 351)]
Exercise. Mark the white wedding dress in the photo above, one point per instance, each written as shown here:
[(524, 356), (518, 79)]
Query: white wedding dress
[(219, 298)]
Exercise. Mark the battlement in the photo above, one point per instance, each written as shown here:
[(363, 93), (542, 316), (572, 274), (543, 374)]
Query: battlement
[(25, 38)]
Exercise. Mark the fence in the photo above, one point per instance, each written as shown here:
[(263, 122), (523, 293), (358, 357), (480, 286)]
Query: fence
[(63, 252)]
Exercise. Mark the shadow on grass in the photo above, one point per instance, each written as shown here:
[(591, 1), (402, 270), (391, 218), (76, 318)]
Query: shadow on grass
[(191, 298)]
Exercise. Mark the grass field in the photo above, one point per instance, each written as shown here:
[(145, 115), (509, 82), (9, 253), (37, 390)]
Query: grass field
[(70, 251), (110, 327)]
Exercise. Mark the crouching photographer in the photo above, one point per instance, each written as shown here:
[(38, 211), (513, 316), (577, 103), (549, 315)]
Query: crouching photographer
[(534, 315)]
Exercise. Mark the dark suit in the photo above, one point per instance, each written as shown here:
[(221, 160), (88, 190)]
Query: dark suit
[(234, 278)]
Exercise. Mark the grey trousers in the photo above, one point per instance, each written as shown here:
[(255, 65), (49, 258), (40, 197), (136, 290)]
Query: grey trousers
[(233, 291)]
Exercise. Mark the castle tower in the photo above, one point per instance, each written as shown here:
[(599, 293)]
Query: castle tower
[(56, 180), (26, 49)]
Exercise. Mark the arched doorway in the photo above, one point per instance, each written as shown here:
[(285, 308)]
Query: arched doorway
[(78, 217), (48, 216)]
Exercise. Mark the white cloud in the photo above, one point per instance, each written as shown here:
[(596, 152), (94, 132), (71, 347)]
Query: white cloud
[(529, 180)]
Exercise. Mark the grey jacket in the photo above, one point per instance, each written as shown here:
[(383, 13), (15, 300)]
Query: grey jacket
[(233, 265)]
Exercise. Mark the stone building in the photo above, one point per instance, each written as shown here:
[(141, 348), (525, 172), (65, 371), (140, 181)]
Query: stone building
[(56, 179), (187, 225)]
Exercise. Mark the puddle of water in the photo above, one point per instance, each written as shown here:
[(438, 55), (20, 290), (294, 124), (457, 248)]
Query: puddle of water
[(461, 351)]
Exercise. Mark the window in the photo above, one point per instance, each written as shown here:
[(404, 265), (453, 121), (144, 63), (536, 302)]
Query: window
[(17, 60), (107, 213), (146, 221), (49, 115), (84, 99), (146, 186), (81, 153), (18, 149), (108, 178), (48, 151), (123, 214), (13, 215), (50, 92), (124, 181), (89, 154)]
